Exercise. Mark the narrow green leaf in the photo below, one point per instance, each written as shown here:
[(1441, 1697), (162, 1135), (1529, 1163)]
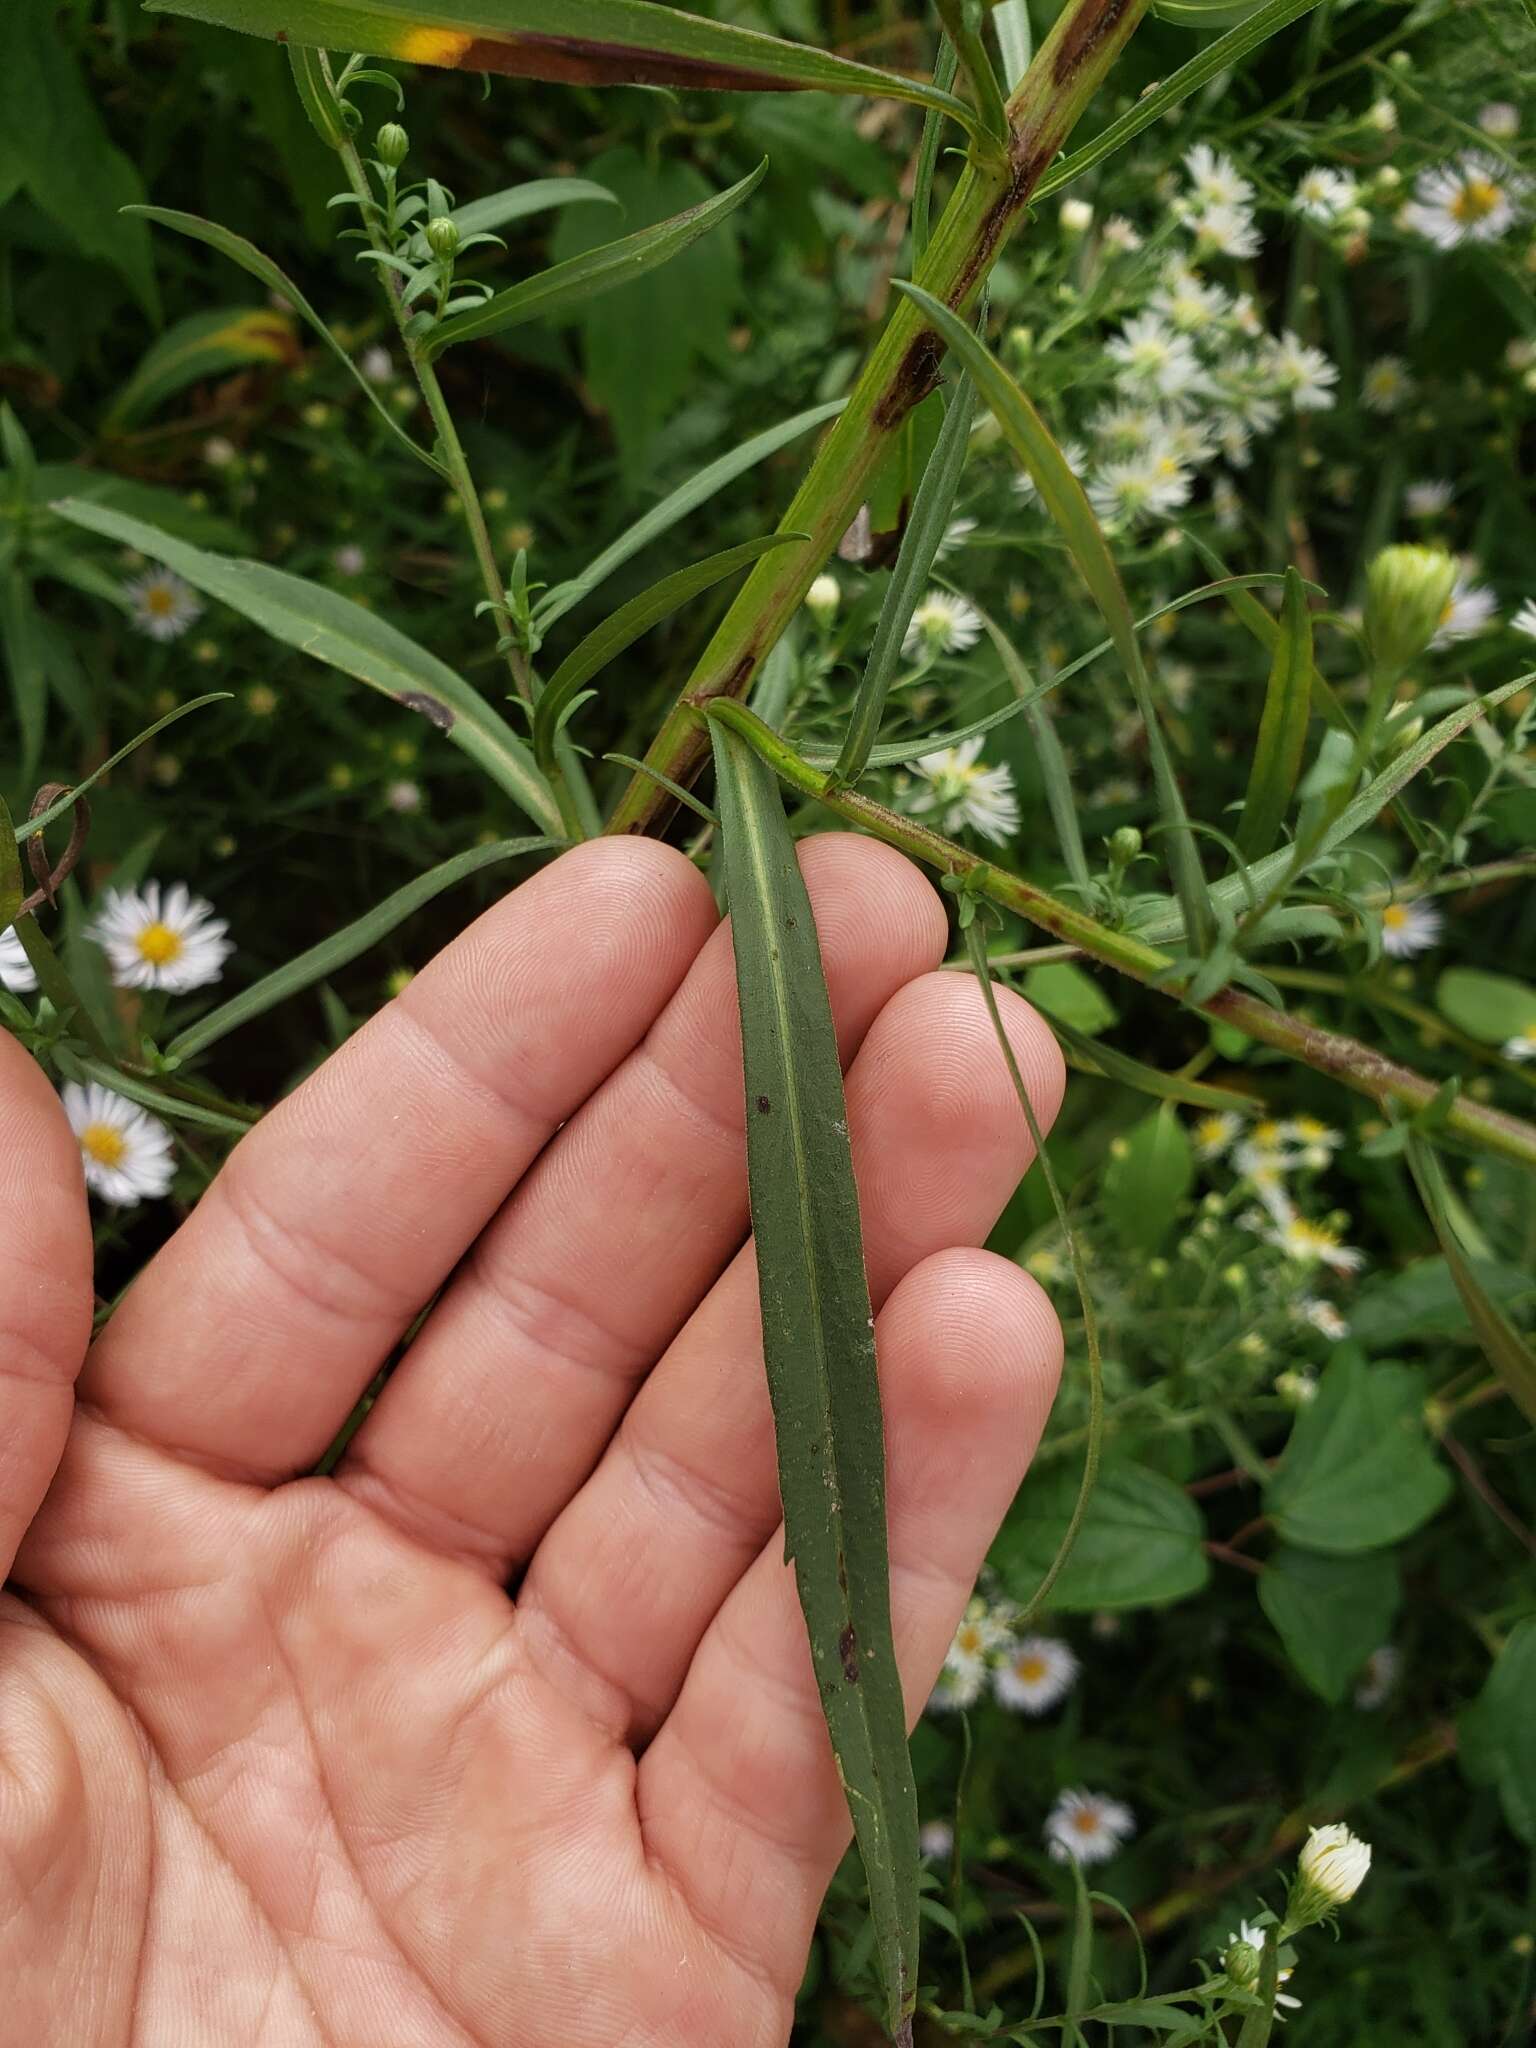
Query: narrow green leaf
[(572, 42), (317, 94), (21, 645), (920, 545), (583, 277), (818, 1344), (688, 497), (11, 890), (1505, 1349), (965, 37), (626, 625), (1090, 1056), (205, 344), (928, 153), (1282, 728), (67, 802), (345, 636), (1217, 57), (1015, 39), (1067, 503), (20, 459), (174, 1108), (1055, 775), (536, 195), (1266, 630), (259, 265), (314, 965)]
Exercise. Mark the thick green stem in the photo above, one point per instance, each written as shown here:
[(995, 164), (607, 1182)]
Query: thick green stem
[(1345, 1059), (904, 368), (1260, 2021)]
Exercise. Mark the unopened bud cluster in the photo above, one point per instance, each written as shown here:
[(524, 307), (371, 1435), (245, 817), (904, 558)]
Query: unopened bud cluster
[(1408, 590)]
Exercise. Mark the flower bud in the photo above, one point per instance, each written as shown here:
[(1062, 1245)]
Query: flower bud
[(1407, 591), (1329, 1871), (392, 144), (1076, 216), (1124, 846), (823, 599), (442, 237), (1241, 1963)]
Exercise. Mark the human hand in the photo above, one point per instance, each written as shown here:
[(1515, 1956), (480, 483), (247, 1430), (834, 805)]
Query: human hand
[(281, 1763)]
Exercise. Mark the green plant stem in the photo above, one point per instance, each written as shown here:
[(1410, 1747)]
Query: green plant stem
[(902, 370), (1345, 1059)]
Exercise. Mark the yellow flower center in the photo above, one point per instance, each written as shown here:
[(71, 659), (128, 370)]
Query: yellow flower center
[(1311, 1237), (1267, 1136), (104, 1143), (1477, 198), (1394, 917), (159, 945), (160, 599), (1031, 1669), (1086, 1821), (968, 1640)]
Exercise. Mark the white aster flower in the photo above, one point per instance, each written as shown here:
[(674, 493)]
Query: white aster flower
[(1306, 1243), (1146, 486), (956, 534), (1303, 373), (1386, 386), (1214, 179), (1411, 927), (936, 1841), (1255, 1937), (1036, 1675), (1322, 195), (158, 938), (1087, 1827), (1214, 1133), (403, 796), (1226, 504), (163, 606), (1524, 620), (349, 559), (1151, 354), (1311, 1132), (1333, 1864), (1523, 1045), (941, 624), (15, 968), (1118, 234), (1378, 1678), (219, 451), (1186, 301), (1429, 497), (1125, 428), (1470, 609), (377, 365), (125, 1151), (1470, 199), (1296, 1389), (965, 792), (1500, 119), (980, 1635), (1225, 231), (1321, 1316), (1073, 454)]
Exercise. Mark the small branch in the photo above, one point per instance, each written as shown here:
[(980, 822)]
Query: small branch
[(1483, 1487), (1227, 1555)]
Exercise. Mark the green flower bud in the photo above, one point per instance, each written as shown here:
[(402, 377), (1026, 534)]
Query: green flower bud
[(1241, 1963), (392, 144), (1124, 845), (1408, 589), (442, 237)]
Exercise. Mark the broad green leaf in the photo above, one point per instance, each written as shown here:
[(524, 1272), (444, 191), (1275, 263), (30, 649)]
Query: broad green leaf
[(21, 645), (58, 147), (536, 195), (1218, 57), (1359, 1471), (688, 497), (1067, 504), (1141, 1543), (203, 345), (1282, 728), (1422, 1304), (314, 965), (345, 636), (611, 264), (1330, 1612), (1150, 1171), (1505, 1349), (1489, 1007), (920, 543), (1498, 1731), (818, 1344), (259, 265), (1069, 996), (626, 625), (572, 42)]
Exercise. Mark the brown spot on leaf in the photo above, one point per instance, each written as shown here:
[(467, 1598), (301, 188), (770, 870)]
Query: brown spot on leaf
[(763, 1105), (848, 1653), (430, 707), (916, 375)]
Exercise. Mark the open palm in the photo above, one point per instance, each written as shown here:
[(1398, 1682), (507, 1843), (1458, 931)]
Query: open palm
[(506, 1733)]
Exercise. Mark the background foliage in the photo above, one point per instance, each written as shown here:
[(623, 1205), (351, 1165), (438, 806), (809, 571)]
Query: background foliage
[(1288, 1488)]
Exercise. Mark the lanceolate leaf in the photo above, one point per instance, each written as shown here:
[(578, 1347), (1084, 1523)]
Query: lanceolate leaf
[(1505, 1349), (517, 202), (207, 344), (818, 1345), (613, 263), (333, 629), (626, 625), (573, 42), (1283, 727), (260, 265), (1067, 503)]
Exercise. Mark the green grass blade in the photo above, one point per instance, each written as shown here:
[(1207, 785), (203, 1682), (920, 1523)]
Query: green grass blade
[(1505, 1349), (1282, 728), (688, 497), (256, 263), (1216, 58), (599, 270), (314, 965), (920, 544), (626, 625), (1067, 503), (818, 1345), (573, 42), (345, 636)]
